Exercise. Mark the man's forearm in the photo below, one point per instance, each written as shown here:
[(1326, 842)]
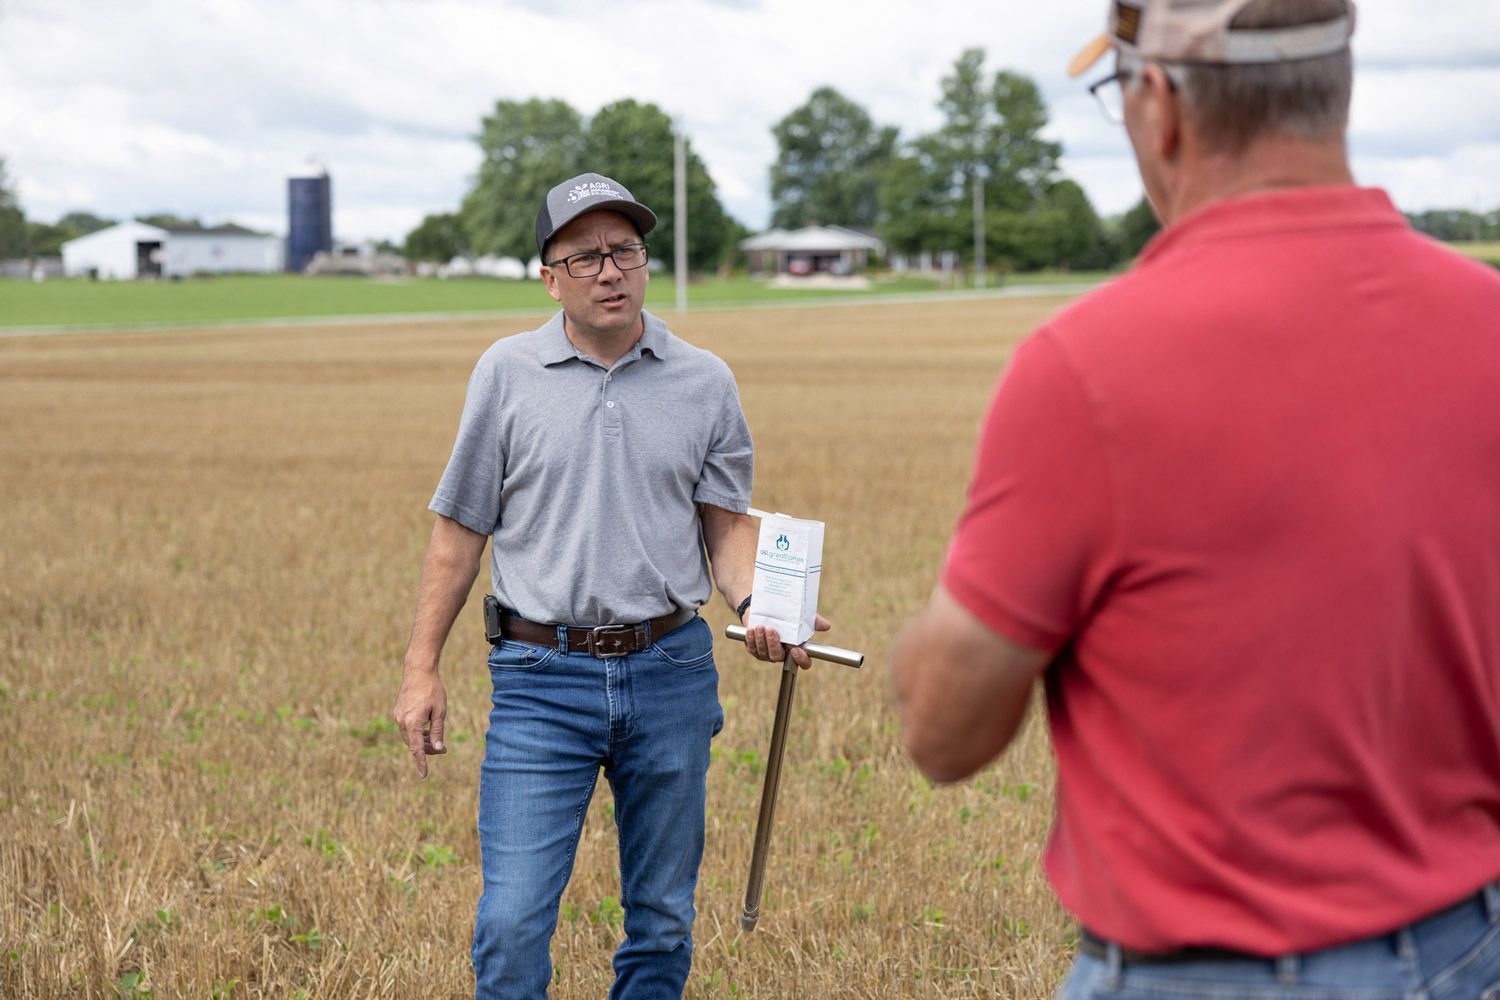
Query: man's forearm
[(448, 572), (962, 688), (730, 539)]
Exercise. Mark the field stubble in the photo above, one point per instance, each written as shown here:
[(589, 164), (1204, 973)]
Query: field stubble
[(211, 547)]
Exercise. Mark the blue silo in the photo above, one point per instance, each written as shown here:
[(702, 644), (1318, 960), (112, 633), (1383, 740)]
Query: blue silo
[(309, 207)]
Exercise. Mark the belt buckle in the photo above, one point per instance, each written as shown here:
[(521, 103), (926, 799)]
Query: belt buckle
[(607, 630)]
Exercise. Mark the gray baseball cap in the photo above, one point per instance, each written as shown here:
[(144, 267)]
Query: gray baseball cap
[(1198, 31), (583, 194)]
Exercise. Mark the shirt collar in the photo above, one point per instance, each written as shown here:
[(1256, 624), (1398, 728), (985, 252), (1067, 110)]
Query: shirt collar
[(655, 337), (1272, 211), (555, 346)]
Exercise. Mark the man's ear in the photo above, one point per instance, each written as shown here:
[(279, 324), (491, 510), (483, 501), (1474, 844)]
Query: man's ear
[(1164, 110), (549, 281)]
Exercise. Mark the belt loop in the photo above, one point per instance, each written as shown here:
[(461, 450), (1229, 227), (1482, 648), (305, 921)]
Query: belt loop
[(562, 638), (1114, 963), (1406, 944), (1289, 969), (1492, 901)]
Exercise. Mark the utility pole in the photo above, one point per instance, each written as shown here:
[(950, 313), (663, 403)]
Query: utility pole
[(679, 217), (978, 227)]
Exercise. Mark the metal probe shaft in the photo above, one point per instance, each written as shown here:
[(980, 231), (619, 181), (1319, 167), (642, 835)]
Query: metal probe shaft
[(750, 915), (751, 912)]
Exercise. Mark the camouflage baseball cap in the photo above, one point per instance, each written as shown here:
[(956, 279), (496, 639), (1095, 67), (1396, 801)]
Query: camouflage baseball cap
[(583, 194), (1198, 31)]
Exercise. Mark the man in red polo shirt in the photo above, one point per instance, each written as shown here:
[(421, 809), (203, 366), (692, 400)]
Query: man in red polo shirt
[(1239, 512)]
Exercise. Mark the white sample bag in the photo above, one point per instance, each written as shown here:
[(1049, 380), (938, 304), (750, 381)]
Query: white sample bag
[(788, 565)]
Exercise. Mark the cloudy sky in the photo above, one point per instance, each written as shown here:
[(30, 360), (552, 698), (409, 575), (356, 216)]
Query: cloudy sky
[(205, 107)]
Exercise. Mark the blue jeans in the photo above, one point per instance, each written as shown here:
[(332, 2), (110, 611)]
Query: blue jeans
[(1451, 955), (646, 719)]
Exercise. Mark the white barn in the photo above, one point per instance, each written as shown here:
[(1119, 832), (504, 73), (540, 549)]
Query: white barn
[(139, 250)]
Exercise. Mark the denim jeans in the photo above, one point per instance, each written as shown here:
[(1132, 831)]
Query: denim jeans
[(1451, 955), (646, 719)]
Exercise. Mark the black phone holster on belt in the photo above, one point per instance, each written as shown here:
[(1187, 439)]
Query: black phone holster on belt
[(491, 620)]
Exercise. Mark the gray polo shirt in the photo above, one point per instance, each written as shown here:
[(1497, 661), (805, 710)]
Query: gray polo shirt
[(587, 478)]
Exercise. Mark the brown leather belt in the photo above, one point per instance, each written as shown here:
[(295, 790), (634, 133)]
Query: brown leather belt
[(600, 641), (1094, 946)]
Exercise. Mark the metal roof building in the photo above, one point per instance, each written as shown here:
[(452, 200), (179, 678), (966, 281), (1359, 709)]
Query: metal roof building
[(139, 250), (812, 249)]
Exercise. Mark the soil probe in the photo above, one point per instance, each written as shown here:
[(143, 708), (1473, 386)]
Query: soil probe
[(849, 658)]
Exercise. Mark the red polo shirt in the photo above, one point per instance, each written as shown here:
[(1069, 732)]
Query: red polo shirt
[(1252, 490)]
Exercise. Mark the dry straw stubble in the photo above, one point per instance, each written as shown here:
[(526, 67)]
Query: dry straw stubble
[(211, 547)]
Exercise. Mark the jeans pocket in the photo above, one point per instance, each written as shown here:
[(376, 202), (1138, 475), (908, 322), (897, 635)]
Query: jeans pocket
[(511, 656), (690, 645)]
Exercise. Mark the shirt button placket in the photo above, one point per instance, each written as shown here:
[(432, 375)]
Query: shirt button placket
[(612, 408)]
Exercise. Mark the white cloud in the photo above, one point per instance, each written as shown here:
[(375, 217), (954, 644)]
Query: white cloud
[(200, 108), (1467, 177), (1425, 110)]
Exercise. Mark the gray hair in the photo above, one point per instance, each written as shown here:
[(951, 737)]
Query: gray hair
[(1231, 106)]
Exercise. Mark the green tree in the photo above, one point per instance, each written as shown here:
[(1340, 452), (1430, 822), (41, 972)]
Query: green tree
[(1022, 166), (1070, 234), (1136, 228), (917, 210), (1456, 224), (168, 220), (531, 146), (83, 223), (991, 130), (44, 240), (438, 238), (527, 147), (959, 146), (829, 163), (13, 234), (944, 164), (633, 143), (730, 254)]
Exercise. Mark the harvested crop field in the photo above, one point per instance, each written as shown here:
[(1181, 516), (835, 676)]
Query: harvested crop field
[(211, 548)]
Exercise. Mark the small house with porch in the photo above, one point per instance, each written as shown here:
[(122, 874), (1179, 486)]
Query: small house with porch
[(834, 250)]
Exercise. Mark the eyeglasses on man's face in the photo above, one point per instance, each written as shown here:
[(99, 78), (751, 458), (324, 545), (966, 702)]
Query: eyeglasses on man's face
[(1110, 93), (586, 265)]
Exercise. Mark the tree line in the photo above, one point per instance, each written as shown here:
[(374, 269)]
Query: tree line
[(1456, 224), (834, 165), (529, 146), (22, 238)]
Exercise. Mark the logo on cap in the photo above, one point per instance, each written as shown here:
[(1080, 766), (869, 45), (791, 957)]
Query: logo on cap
[(593, 189), (1127, 22)]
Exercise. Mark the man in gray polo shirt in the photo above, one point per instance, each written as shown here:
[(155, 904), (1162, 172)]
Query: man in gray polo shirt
[(610, 463)]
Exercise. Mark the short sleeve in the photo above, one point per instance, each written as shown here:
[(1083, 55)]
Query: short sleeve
[(470, 489), (1033, 546), (729, 467)]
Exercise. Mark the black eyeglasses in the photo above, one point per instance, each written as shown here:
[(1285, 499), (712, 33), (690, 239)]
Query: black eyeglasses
[(586, 265), (1110, 93)]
